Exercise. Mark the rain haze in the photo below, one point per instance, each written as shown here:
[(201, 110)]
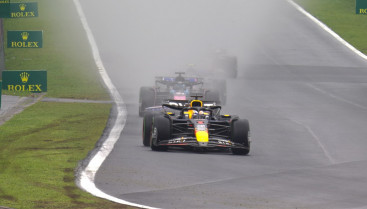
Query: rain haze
[(160, 37)]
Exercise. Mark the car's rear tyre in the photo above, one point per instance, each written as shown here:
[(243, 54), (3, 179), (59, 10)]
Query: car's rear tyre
[(147, 128), (161, 131), (241, 135), (146, 99)]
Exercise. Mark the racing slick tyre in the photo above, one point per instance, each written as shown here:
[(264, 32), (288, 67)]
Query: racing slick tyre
[(240, 134), (213, 96), (147, 128), (146, 99), (161, 131)]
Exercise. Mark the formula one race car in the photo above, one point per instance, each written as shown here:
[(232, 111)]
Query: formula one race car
[(196, 124), (224, 65), (176, 88), (218, 65)]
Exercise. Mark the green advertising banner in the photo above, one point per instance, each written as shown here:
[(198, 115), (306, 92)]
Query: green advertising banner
[(22, 10), (361, 7), (25, 39), (22, 81), (4, 8)]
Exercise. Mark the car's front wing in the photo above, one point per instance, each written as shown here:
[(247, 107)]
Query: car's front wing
[(192, 142)]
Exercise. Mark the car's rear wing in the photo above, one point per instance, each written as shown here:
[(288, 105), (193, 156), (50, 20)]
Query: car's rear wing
[(179, 105), (185, 103), (190, 81)]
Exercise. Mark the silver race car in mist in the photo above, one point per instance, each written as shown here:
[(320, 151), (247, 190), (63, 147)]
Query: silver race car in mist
[(177, 88)]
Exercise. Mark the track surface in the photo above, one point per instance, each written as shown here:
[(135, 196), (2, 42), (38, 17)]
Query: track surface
[(303, 93)]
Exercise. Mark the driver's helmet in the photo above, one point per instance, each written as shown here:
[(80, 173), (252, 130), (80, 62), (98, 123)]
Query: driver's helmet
[(194, 113), (179, 86), (191, 114), (204, 114)]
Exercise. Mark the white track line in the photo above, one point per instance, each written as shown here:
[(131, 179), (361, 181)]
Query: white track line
[(352, 48), (336, 97), (85, 178), (318, 140), (327, 29)]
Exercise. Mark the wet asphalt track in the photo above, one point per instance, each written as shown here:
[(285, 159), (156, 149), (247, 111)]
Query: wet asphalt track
[(304, 94)]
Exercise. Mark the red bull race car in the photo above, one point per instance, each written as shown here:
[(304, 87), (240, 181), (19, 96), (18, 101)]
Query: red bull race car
[(195, 124)]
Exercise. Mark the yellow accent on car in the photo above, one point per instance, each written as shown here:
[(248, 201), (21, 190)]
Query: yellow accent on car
[(190, 112), (196, 103), (202, 136), (170, 113)]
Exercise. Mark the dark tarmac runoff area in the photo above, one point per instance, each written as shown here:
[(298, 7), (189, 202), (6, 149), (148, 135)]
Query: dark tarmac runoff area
[(7, 102), (9, 106)]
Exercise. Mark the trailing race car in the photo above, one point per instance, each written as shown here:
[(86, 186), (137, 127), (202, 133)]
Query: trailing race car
[(196, 124), (224, 65), (218, 65), (176, 88)]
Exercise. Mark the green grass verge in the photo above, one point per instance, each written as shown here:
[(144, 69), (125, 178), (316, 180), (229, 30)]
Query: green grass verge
[(65, 55), (341, 17), (39, 153), (41, 147)]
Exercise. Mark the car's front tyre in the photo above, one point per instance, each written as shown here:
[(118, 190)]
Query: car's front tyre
[(147, 128), (241, 135), (161, 131), (146, 99)]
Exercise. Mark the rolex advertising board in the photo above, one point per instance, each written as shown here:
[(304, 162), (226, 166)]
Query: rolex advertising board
[(18, 10), (25, 39), (361, 7), (23, 10), (22, 81), (4, 8)]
